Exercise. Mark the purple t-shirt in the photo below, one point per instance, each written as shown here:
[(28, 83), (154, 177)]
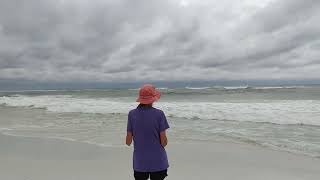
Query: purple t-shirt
[(146, 123)]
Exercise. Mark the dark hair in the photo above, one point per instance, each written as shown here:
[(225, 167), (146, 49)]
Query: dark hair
[(144, 105)]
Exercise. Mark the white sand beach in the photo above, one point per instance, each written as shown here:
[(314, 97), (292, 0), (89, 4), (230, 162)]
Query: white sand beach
[(24, 158)]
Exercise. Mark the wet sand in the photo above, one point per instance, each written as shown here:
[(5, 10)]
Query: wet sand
[(24, 158)]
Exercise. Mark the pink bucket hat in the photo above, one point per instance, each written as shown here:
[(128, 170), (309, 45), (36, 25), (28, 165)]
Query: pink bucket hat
[(148, 94)]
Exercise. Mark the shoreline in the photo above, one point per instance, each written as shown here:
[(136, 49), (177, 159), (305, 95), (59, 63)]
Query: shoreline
[(175, 142), (52, 159), (10, 114)]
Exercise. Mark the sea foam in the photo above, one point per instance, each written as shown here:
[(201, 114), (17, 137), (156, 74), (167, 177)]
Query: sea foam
[(272, 111)]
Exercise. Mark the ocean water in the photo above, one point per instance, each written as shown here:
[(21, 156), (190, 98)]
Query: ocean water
[(281, 118)]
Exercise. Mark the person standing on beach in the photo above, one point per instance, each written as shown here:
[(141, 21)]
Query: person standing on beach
[(147, 128)]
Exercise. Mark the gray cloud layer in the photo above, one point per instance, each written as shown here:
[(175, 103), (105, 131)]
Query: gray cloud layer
[(125, 40)]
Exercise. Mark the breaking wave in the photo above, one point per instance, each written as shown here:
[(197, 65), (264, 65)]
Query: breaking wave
[(273, 111)]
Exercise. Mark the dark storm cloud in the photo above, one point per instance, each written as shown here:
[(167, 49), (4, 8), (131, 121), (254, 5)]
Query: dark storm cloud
[(124, 40)]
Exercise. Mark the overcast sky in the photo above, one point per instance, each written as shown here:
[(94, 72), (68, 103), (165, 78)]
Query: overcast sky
[(170, 40)]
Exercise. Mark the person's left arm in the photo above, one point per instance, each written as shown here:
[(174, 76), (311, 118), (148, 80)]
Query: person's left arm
[(129, 136)]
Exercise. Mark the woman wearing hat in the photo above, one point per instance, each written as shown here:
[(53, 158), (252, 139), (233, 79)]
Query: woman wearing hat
[(147, 128)]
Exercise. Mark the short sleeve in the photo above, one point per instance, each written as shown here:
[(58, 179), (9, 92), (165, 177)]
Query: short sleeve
[(129, 123), (163, 122)]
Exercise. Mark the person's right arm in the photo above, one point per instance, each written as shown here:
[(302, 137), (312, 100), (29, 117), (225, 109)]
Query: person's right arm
[(163, 127), (163, 138)]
